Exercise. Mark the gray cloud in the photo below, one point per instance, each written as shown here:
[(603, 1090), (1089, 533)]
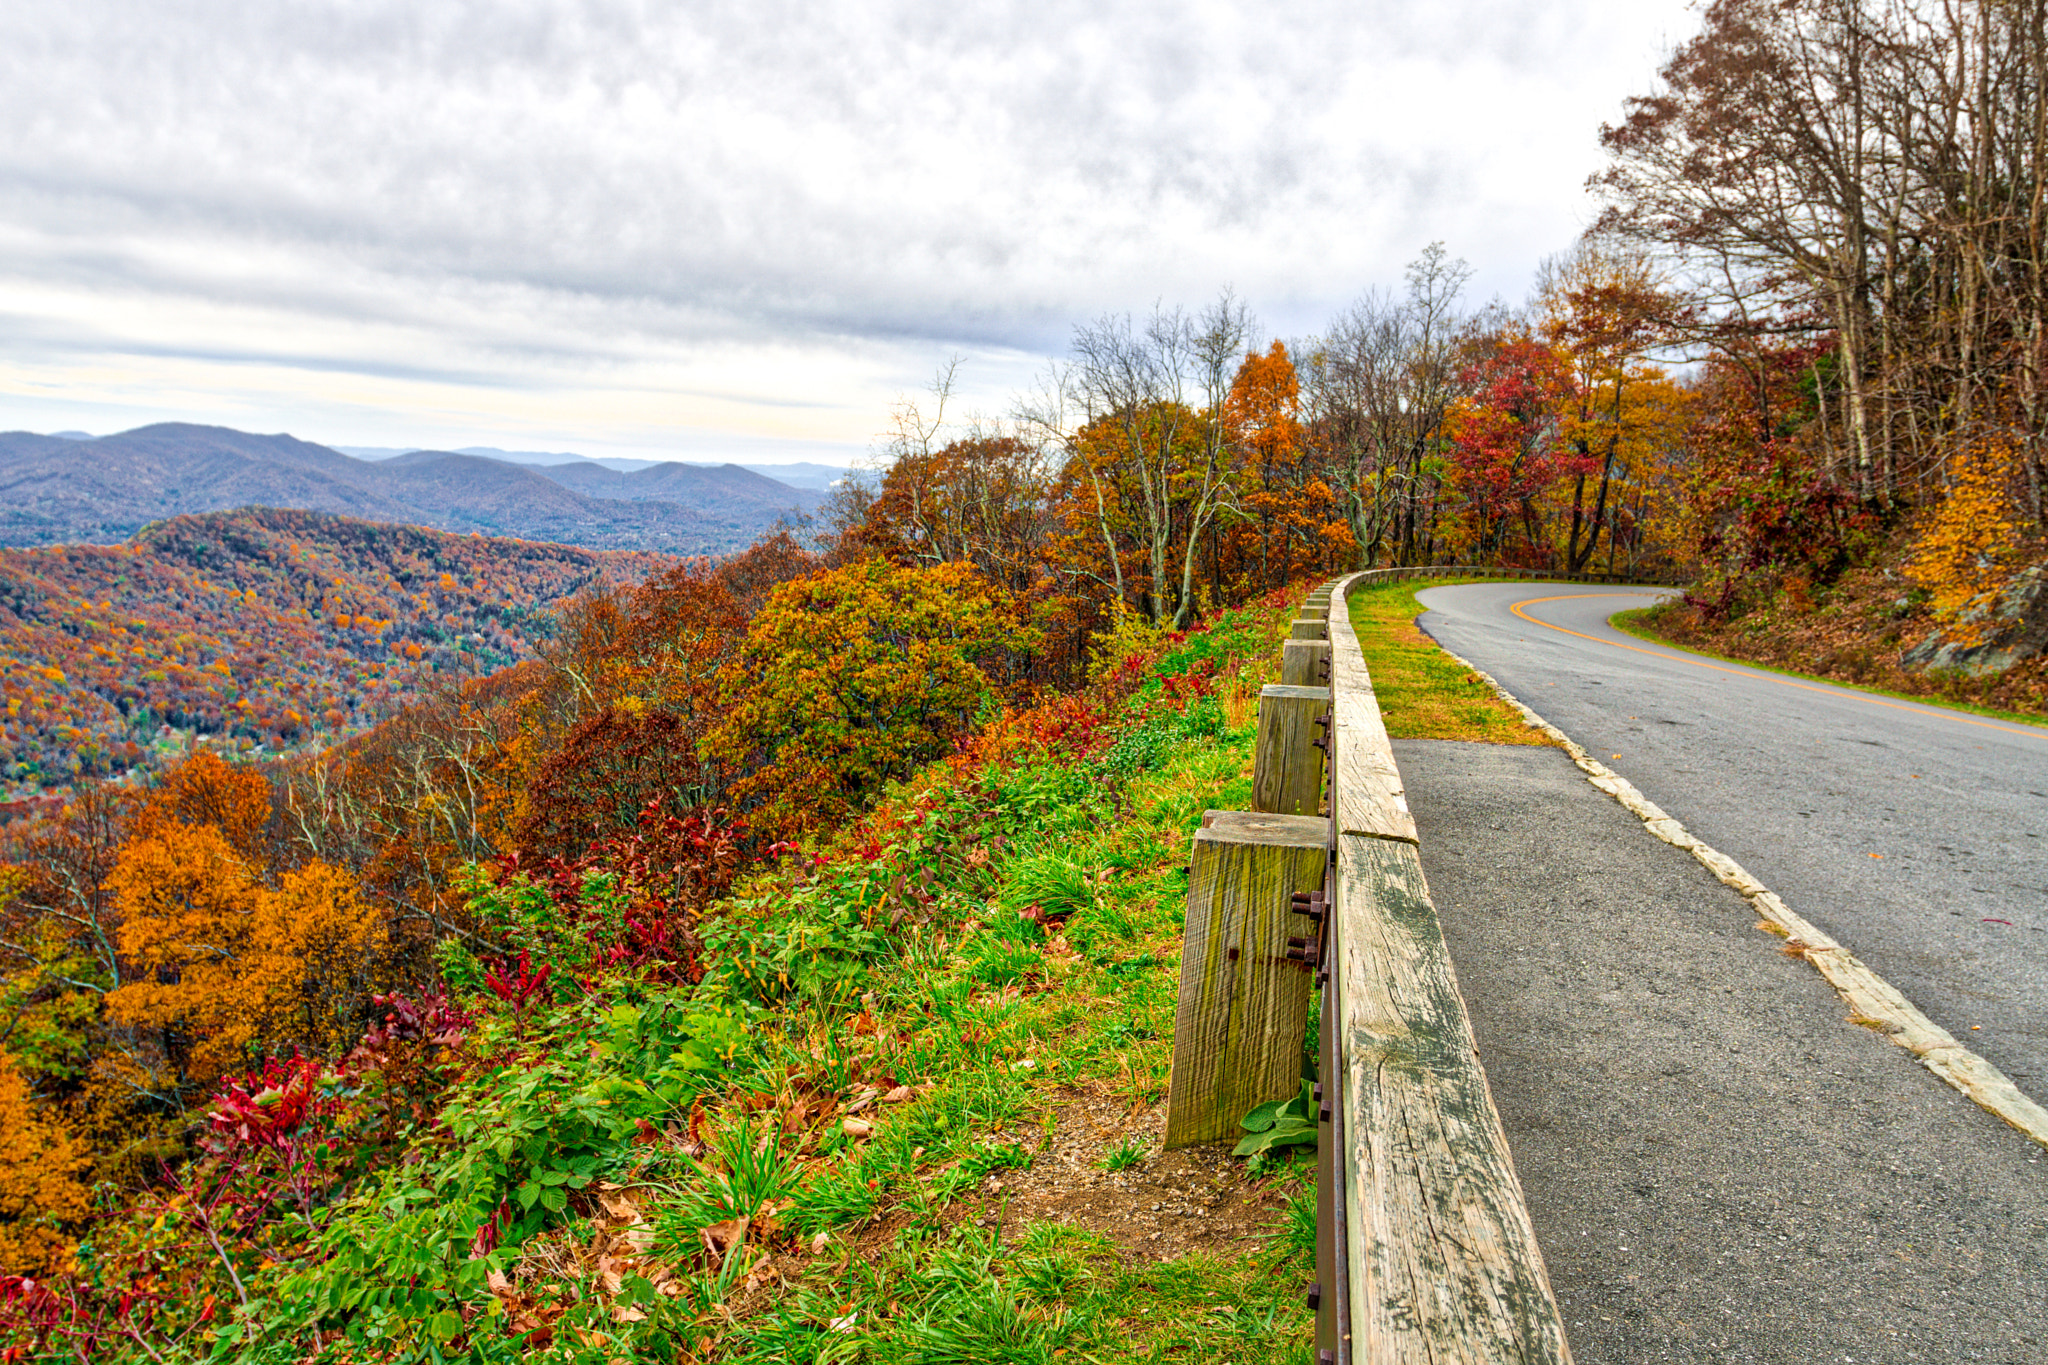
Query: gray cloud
[(561, 190)]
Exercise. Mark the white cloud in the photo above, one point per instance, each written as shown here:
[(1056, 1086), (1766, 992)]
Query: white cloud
[(639, 226)]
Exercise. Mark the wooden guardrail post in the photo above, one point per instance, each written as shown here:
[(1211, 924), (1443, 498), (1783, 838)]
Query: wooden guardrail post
[(1243, 1009), (1310, 628), (1287, 760), (1305, 663)]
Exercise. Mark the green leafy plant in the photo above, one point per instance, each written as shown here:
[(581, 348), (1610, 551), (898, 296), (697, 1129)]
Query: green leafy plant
[(1279, 1123)]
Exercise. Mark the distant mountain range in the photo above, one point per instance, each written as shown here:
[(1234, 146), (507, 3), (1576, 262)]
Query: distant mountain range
[(799, 474), (72, 489)]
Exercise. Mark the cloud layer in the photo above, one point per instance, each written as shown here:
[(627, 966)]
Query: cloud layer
[(656, 227)]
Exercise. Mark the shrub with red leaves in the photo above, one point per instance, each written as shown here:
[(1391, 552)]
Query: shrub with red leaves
[(411, 1049), (642, 916), (270, 1108)]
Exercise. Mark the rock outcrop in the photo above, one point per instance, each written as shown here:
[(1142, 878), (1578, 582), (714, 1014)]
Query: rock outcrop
[(1993, 631)]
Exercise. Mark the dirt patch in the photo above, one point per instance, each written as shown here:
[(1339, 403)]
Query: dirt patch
[(1168, 1204)]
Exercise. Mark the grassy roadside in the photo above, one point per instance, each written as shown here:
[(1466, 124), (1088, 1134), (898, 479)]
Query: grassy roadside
[(1423, 692), (1640, 622), (910, 1115)]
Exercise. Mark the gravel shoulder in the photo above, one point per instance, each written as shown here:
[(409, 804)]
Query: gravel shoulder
[(1720, 1167)]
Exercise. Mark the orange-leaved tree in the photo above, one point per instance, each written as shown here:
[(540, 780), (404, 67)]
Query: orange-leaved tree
[(40, 1189), (204, 789), (225, 967), (856, 676)]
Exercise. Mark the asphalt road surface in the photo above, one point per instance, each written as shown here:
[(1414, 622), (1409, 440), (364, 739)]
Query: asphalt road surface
[(1720, 1168), (1915, 835)]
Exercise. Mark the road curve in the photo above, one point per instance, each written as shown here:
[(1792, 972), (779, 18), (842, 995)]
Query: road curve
[(1916, 836)]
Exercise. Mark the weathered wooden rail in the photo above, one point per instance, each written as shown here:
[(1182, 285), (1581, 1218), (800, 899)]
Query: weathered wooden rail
[(1426, 1253)]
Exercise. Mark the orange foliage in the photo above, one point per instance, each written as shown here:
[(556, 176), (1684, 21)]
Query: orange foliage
[(1291, 522), (204, 790), (228, 966), (1967, 546), (40, 1190)]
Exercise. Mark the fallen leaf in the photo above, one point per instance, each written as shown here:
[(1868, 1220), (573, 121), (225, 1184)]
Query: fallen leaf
[(844, 1324), (899, 1095), (820, 1242), (719, 1238), (857, 1128)]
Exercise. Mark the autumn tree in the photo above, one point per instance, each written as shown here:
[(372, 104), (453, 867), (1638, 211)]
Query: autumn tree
[(856, 676), (1504, 446), (1864, 177), (41, 1193), (1603, 311), (225, 967), (1291, 513), (1153, 460), (204, 789), (1376, 391)]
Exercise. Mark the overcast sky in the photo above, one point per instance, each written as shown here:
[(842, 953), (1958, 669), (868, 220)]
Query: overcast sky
[(712, 230)]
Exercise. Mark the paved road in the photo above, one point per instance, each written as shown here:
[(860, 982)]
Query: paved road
[(1916, 836), (1721, 1170)]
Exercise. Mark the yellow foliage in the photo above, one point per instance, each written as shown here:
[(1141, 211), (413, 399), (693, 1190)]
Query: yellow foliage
[(40, 1190), (1967, 547), (232, 962), (1128, 635)]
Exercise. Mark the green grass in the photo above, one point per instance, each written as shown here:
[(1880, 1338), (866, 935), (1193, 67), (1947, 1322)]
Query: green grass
[(1062, 976), (1423, 692), (1633, 622)]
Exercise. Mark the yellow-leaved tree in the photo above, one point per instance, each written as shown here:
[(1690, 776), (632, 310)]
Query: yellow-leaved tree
[(853, 677), (1967, 545)]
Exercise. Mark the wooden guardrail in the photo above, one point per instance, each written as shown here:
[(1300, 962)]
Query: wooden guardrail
[(1426, 1252)]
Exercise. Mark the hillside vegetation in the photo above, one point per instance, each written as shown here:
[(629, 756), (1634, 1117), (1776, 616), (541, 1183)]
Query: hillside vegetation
[(260, 631), (776, 964)]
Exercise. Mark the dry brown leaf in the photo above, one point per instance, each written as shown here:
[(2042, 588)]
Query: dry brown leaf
[(619, 1206), (900, 1094), (719, 1238), (857, 1128)]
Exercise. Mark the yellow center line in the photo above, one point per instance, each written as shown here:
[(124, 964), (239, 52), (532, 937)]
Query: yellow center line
[(1918, 709)]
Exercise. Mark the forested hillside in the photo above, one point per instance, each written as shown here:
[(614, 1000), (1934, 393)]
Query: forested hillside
[(261, 631)]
